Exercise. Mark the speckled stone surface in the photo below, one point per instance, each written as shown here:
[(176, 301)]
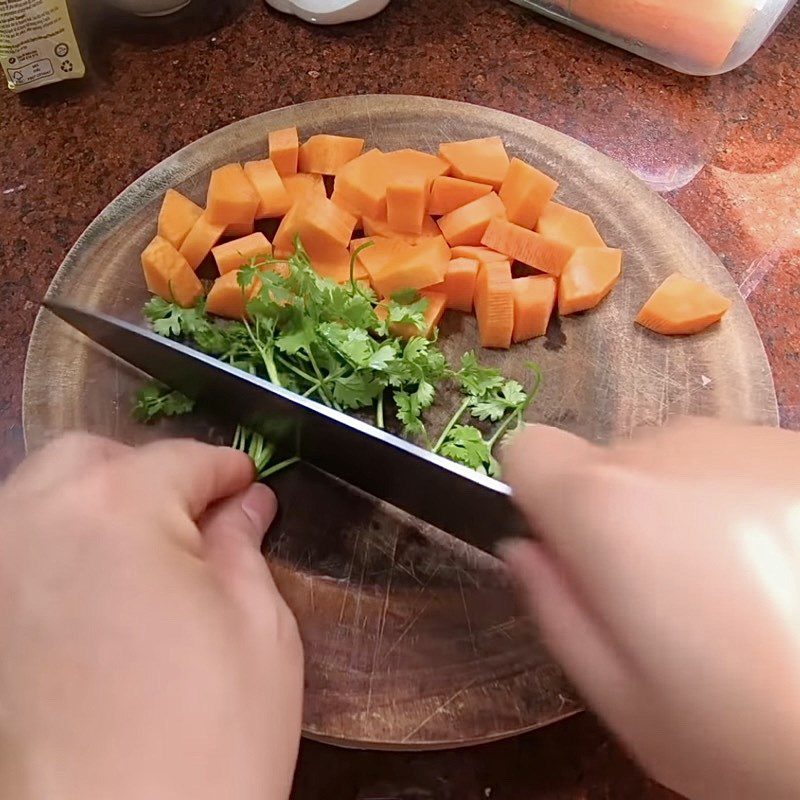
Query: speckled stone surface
[(724, 151)]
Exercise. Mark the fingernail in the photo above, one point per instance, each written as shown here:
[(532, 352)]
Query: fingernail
[(259, 505)]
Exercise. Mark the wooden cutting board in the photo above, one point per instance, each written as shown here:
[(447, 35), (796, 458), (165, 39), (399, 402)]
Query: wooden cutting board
[(413, 639)]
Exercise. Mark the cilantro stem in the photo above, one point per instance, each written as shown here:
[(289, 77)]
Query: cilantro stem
[(297, 371), (503, 427), (266, 357), (322, 381), (379, 411), (353, 257), (453, 420), (518, 413), (281, 465)]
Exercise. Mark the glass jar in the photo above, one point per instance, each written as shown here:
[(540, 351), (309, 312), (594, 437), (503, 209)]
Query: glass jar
[(698, 37)]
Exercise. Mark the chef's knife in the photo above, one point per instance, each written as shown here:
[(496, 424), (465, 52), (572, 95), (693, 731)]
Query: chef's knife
[(473, 507)]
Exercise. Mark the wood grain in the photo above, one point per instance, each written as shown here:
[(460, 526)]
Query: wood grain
[(413, 639)]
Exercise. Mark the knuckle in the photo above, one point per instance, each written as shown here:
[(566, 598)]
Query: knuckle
[(275, 622)]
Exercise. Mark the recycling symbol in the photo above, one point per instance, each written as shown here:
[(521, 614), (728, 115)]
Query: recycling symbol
[(66, 66), (17, 76)]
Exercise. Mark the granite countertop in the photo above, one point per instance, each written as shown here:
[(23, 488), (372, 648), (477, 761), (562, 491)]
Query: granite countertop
[(724, 151)]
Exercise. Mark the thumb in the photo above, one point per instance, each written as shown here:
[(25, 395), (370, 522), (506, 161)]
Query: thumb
[(233, 531)]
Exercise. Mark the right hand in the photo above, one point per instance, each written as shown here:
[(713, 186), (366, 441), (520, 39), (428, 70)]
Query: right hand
[(667, 583)]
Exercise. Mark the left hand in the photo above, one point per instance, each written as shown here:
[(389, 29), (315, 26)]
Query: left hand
[(145, 651)]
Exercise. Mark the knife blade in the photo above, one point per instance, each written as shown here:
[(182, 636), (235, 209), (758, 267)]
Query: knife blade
[(473, 507)]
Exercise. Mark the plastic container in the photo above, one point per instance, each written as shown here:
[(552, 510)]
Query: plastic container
[(698, 37)]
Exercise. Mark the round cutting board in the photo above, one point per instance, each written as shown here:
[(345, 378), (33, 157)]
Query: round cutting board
[(413, 639)]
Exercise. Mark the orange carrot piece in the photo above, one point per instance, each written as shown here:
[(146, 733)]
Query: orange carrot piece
[(323, 228), (534, 299), (530, 248), (239, 230), (168, 274), (238, 253), (284, 147), (682, 306), (466, 225), (202, 237), (335, 266), (228, 299), (274, 200), (415, 267), (587, 278), (494, 304), (301, 185), (360, 186), (479, 160), (568, 226), (448, 194), (231, 197), (415, 163), (324, 154), (382, 251), (525, 192), (483, 255), (437, 302), (381, 227), (459, 283), (177, 217), (405, 204)]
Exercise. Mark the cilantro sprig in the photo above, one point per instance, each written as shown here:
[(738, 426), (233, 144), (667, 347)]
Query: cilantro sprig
[(335, 343), (155, 401)]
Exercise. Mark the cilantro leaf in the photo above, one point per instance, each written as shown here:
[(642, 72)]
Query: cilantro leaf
[(465, 445), (407, 308), (476, 380), (383, 357), (409, 413), (297, 336), (405, 296), (325, 340), (357, 390), (494, 405), (156, 400), (173, 321), (354, 344), (425, 394)]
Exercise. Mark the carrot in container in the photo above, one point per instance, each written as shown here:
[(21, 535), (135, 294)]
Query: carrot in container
[(700, 38)]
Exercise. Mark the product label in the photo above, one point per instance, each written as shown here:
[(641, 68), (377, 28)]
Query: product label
[(37, 44)]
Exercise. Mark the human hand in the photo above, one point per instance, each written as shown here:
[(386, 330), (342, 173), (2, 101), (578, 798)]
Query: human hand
[(667, 583), (145, 651)]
